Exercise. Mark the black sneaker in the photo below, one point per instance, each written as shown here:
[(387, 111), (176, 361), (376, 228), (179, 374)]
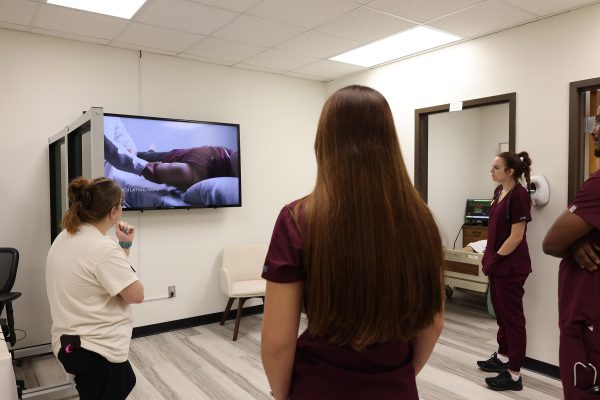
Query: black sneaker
[(493, 364), (504, 381)]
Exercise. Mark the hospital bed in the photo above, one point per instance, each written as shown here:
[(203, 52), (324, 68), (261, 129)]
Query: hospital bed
[(464, 272)]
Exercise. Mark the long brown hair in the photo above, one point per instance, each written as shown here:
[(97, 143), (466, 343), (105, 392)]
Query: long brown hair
[(89, 201), (374, 264)]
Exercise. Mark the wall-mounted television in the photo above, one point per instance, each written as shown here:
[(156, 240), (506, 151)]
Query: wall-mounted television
[(163, 163)]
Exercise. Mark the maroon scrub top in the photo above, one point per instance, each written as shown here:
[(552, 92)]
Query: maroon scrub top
[(323, 370), (579, 289), (513, 208)]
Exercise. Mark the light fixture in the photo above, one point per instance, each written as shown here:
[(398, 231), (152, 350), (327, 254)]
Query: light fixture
[(116, 8), (396, 46)]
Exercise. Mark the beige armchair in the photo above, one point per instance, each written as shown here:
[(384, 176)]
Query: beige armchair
[(241, 268)]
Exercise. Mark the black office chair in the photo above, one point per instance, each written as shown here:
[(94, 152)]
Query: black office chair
[(9, 260)]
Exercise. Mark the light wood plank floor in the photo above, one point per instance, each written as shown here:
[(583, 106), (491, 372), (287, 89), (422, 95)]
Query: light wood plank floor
[(203, 362)]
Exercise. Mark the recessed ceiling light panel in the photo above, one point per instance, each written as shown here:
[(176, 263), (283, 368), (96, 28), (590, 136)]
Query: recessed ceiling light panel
[(116, 8), (402, 44)]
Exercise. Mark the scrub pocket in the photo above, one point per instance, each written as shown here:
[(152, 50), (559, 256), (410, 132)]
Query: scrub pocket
[(586, 369), (500, 266)]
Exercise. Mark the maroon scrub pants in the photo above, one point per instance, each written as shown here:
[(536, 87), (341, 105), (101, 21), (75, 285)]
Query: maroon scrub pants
[(507, 298)]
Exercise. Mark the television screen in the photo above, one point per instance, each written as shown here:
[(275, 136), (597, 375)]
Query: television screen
[(477, 211), (167, 163)]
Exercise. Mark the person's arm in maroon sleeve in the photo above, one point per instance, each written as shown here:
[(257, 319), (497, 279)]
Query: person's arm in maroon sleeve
[(585, 253), (570, 233), (283, 263), (520, 213), (517, 231), (568, 236)]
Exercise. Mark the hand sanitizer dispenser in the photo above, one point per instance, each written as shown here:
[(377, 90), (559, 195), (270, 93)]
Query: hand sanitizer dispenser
[(539, 190)]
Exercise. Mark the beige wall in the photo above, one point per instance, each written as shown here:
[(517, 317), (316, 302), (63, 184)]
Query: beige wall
[(461, 148), (453, 161), (46, 83)]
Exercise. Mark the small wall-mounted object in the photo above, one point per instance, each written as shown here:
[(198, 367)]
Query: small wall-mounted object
[(539, 190)]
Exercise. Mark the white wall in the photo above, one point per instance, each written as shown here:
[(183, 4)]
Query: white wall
[(462, 146), (453, 157), (537, 61), (46, 84), (494, 130)]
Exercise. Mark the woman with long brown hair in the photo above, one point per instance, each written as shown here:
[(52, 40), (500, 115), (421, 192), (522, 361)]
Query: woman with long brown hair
[(363, 255)]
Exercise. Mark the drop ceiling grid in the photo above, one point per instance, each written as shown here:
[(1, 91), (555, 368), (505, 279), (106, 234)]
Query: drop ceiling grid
[(292, 37)]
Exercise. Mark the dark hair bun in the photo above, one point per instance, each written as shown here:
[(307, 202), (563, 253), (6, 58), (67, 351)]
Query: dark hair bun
[(524, 156), (78, 189)]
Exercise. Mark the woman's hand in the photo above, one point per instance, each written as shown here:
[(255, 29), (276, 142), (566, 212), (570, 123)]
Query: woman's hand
[(124, 232)]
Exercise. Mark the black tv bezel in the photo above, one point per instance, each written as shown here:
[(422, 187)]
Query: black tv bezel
[(237, 126)]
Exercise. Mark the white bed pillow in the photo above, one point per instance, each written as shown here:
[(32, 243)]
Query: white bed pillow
[(214, 192)]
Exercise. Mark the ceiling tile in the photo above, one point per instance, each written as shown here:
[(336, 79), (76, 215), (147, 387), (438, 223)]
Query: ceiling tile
[(19, 12), (304, 13), (160, 38), (258, 68), (205, 59), (545, 7), (365, 25), (68, 20), (421, 11), (147, 49), (279, 60), (221, 49), (214, 31), (487, 17), (317, 44), (257, 31), (234, 5), (306, 76), (185, 16), (71, 36), (327, 69)]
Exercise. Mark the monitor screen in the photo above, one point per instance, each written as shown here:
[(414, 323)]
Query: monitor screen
[(477, 210), (166, 163)]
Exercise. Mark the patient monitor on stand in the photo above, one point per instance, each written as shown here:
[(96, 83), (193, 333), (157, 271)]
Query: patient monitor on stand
[(477, 211)]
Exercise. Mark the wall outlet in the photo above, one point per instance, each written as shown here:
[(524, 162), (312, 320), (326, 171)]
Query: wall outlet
[(171, 291)]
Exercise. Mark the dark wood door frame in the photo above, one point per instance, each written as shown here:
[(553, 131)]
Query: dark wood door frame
[(422, 131), (576, 139)]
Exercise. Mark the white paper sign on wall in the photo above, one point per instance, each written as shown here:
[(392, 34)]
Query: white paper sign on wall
[(456, 106)]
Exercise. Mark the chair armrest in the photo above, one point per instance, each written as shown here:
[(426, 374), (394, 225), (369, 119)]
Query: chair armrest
[(8, 297)]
